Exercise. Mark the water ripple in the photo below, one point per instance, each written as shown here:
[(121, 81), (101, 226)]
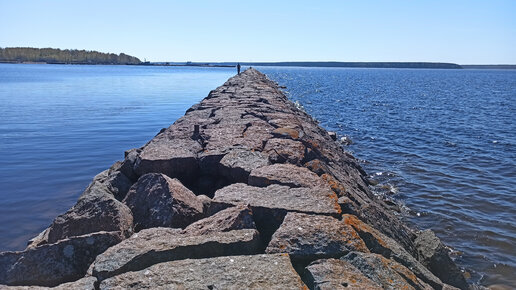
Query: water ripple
[(449, 136)]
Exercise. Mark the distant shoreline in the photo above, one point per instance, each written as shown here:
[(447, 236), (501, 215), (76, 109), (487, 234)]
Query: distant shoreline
[(323, 64), (140, 64), (489, 66), (415, 65), (63, 56)]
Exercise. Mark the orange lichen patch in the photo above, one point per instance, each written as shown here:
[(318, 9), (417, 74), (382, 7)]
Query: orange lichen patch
[(384, 261), (362, 247), (282, 247), (355, 240), (336, 186), (336, 205), (287, 132), (403, 270), (360, 226), (353, 221)]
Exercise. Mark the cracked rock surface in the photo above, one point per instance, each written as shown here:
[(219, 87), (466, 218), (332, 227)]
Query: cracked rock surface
[(244, 191), (230, 272)]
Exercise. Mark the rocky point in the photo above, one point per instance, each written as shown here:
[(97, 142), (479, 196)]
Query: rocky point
[(244, 191)]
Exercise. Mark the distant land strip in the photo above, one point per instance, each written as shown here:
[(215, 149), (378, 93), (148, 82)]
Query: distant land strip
[(439, 65), (361, 64), (489, 66), (320, 64), (75, 56), (63, 56)]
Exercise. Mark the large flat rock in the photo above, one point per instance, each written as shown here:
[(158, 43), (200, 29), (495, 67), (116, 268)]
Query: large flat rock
[(309, 237), (285, 174), (232, 272), (156, 245), (172, 152), (270, 204), (54, 264), (309, 200)]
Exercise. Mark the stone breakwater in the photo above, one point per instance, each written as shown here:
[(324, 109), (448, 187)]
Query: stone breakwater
[(244, 191)]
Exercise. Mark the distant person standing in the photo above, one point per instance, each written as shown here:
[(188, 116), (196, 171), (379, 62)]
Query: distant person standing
[(238, 68)]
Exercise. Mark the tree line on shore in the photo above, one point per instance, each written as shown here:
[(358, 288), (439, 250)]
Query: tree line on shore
[(66, 56)]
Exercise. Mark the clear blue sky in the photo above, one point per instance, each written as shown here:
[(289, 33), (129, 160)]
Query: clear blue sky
[(464, 32)]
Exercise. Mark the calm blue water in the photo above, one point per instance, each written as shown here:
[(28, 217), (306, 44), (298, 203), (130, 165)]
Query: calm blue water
[(441, 142), (61, 124)]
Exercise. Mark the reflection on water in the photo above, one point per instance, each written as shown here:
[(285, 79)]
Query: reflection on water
[(60, 125)]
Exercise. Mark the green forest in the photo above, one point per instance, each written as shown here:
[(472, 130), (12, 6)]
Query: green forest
[(63, 56)]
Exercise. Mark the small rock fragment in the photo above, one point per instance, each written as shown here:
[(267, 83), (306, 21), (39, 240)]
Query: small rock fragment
[(332, 135), (206, 202), (433, 255), (234, 218), (346, 140), (330, 274)]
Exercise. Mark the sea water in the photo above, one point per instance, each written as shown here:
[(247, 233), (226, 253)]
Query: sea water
[(441, 143)]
